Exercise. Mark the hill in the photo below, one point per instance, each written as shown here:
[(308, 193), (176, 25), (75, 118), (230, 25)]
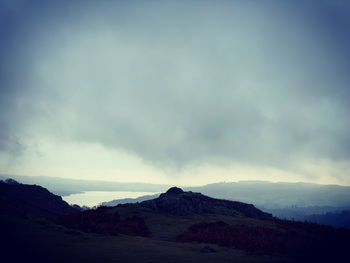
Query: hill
[(180, 225), (177, 202), (273, 196), (180, 216), (296, 201), (30, 201), (165, 216)]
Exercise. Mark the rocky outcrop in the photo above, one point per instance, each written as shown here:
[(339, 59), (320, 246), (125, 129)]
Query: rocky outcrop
[(178, 202)]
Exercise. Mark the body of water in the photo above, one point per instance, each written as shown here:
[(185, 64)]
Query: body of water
[(92, 198)]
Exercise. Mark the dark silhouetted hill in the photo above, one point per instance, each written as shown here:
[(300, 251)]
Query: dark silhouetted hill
[(30, 201), (176, 201)]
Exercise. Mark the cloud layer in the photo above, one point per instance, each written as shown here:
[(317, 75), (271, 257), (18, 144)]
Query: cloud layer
[(180, 84)]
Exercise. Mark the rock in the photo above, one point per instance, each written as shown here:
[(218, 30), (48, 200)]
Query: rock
[(11, 181), (175, 190)]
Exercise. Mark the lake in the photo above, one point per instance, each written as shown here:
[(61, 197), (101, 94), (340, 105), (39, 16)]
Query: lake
[(92, 198)]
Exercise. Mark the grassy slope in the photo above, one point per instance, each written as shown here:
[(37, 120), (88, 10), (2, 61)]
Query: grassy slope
[(167, 227), (28, 240)]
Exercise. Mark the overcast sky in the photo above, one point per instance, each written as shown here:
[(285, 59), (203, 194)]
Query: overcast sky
[(187, 92)]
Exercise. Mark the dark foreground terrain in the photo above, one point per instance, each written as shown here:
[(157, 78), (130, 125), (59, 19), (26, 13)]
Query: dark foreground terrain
[(39, 241), (177, 226)]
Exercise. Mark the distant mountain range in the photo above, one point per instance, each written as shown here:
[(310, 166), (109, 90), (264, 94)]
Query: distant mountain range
[(279, 195)]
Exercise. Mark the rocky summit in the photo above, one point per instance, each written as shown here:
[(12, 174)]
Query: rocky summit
[(178, 202)]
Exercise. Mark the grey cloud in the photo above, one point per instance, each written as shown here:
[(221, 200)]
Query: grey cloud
[(224, 81), (9, 143)]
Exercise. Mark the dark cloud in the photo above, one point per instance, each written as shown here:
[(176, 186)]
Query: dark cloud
[(181, 83)]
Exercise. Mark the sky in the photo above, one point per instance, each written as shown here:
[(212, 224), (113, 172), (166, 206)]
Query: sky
[(181, 92)]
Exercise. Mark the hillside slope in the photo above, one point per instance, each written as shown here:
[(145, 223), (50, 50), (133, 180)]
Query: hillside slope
[(177, 202), (180, 226), (30, 201)]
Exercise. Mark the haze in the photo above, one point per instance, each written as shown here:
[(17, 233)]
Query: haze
[(178, 92)]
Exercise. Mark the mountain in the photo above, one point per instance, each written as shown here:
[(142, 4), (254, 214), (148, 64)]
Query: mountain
[(30, 200)]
